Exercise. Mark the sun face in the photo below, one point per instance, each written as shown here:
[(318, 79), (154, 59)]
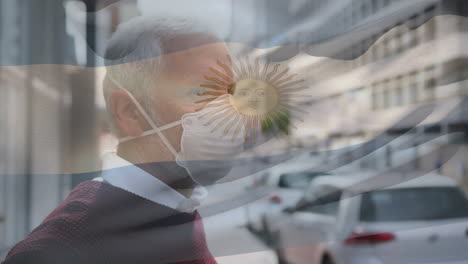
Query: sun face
[(251, 97), (254, 97)]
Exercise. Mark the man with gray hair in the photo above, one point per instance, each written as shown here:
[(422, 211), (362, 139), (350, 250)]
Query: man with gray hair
[(142, 207)]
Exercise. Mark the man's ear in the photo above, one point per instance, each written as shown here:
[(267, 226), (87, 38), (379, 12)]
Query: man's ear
[(127, 118)]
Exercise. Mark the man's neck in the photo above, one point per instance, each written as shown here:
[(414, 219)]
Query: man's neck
[(169, 172)]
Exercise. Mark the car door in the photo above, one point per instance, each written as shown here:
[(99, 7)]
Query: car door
[(308, 228)]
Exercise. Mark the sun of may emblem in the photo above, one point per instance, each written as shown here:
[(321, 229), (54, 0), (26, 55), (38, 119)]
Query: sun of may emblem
[(251, 97)]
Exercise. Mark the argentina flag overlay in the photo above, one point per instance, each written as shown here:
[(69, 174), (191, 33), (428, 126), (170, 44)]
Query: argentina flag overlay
[(233, 131)]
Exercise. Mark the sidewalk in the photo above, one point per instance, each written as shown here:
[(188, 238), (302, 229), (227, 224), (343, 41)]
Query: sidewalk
[(238, 245), (230, 242)]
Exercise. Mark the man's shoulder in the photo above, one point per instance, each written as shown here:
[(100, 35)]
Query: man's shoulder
[(77, 203), (47, 252), (60, 230)]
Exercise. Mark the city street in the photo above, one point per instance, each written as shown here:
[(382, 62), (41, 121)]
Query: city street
[(228, 238), (237, 245)]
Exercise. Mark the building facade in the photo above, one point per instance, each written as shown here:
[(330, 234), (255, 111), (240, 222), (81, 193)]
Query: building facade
[(402, 55), (38, 106)]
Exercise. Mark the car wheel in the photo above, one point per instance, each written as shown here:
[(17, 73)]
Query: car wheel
[(276, 244), (266, 231), (326, 259)]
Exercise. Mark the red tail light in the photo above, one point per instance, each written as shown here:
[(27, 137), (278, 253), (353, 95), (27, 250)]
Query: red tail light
[(377, 238), (275, 199)]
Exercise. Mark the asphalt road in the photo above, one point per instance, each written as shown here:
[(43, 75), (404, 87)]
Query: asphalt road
[(230, 242)]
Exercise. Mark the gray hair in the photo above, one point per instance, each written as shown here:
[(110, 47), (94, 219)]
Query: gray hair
[(134, 57)]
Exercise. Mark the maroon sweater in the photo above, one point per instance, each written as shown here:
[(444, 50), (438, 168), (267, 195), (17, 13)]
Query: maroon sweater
[(100, 223)]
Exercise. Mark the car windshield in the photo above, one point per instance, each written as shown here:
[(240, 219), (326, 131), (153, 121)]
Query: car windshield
[(413, 204), (298, 180)]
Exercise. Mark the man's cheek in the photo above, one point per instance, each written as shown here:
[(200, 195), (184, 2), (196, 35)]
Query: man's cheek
[(175, 137)]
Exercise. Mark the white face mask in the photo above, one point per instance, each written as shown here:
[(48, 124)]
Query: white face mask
[(206, 155)]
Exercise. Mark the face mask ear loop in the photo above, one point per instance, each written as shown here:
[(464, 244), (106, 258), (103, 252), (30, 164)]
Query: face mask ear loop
[(147, 118)]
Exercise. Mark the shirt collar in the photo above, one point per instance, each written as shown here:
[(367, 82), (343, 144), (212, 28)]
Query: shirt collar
[(125, 175)]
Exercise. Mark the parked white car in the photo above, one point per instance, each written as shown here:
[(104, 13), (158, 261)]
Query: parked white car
[(423, 220), (279, 188)]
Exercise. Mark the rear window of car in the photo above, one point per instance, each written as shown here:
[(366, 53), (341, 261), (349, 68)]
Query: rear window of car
[(299, 180), (413, 204)]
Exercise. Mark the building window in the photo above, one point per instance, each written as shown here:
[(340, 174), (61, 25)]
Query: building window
[(462, 7), (463, 24), (429, 27), (385, 46), (386, 98), (363, 11), (399, 100), (386, 95), (399, 96), (346, 21), (413, 32), (366, 50), (373, 53), (374, 50), (354, 17), (398, 39), (375, 97), (374, 6), (430, 82), (413, 88), (358, 54)]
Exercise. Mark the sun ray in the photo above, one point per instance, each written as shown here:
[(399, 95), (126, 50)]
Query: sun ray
[(206, 100), (290, 84), (293, 116), (296, 96), (247, 127), (226, 69), (216, 80), (273, 72), (257, 68), (220, 115), (226, 118), (289, 118), (220, 74), (278, 125), (279, 75), (214, 87), (265, 69), (230, 125), (229, 59), (297, 102), (239, 126), (290, 107), (217, 110), (274, 122), (282, 116), (268, 125), (210, 93), (242, 69), (233, 65), (237, 71), (292, 89), (249, 67), (289, 78), (255, 124), (222, 103)]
